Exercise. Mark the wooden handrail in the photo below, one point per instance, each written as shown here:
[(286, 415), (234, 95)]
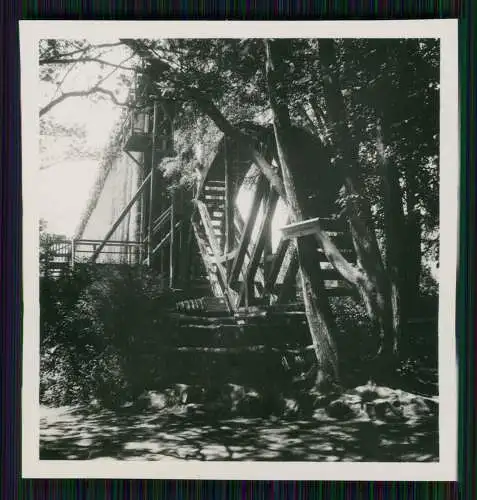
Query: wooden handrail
[(110, 242), (161, 220), (121, 216), (312, 226)]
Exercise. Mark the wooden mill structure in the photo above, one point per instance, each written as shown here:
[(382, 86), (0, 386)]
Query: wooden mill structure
[(233, 263), (204, 242)]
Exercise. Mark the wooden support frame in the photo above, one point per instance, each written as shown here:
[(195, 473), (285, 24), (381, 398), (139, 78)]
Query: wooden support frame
[(276, 265), (172, 246), (121, 216), (221, 272), (247, 289), (260, 192), (289, 281), (138, 163), (229, 208), (73, 256), (151, 190)]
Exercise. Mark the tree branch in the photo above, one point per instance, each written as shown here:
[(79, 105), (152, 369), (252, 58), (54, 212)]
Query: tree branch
[(81, 93), (60, 60), (46, 60), (211, 110)]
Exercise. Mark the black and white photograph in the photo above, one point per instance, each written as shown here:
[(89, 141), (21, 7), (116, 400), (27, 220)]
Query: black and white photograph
[(240, 249)]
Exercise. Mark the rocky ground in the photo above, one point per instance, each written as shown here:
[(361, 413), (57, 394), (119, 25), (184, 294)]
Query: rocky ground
[(375, 424)]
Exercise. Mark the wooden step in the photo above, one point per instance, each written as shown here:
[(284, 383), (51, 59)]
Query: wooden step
[(213, 196), (215, 205), (216, 182), (330, 274), (348, 253), (214, 188)]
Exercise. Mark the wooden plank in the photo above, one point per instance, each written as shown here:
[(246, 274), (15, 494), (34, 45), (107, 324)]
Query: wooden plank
[(215, 246), (215, 182), (228, 212), (211, 189), (302, 228), (152, 187), (247, 288), (276, 264), (109, 243), (217, 196), (288, 289), (211, 273), (331, 274), (172, 245), (161, 243), (262, 184), (312, 226), (121, 216), (162, 218)]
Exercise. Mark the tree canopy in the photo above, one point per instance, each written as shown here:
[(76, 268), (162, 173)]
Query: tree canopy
[(372, 103)]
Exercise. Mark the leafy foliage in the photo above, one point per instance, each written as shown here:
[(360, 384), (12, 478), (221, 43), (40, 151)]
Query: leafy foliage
[(95, 326)]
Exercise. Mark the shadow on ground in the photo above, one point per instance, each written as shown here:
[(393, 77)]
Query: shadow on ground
[(84, 433)]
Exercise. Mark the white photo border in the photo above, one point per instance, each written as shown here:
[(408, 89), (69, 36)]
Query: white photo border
[(444, 30)]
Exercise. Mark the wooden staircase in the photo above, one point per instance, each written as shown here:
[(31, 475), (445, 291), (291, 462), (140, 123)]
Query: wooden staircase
[(274, 275)]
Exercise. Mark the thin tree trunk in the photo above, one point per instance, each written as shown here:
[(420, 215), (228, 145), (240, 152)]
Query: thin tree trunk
[(412, 245), (375, 285), (318, 312), (393, 230)]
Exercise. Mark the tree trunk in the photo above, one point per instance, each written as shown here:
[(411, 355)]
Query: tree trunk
[(318, 312), (393, 231), (375, 285), (412, 244)]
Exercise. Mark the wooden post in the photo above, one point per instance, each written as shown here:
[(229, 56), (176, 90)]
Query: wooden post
[(172, 245), (151, 190), (141, 229), (229, 208), (229, 295), (121, 216), (262, 184), (72, 253), (247, 290)]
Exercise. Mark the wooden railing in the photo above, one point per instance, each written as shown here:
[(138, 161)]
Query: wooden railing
[(121, 217)]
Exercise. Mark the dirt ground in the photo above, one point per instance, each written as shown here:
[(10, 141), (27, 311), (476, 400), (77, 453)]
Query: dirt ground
[(185, 432)]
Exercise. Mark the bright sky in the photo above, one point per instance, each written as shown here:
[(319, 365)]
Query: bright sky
[(65, 187)]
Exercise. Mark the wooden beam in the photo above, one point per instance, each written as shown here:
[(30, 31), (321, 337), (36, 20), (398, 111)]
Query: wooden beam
[(247, 288), (139, 164), (150, 249), (72, 263), (221, 273), (172, 246), (109, 242), (120, 218), (312, 226), (229, 208), (161, 219), (161, 243), (276, 264), (205, 255), (262, 184), (303, 228), (287, 290)]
